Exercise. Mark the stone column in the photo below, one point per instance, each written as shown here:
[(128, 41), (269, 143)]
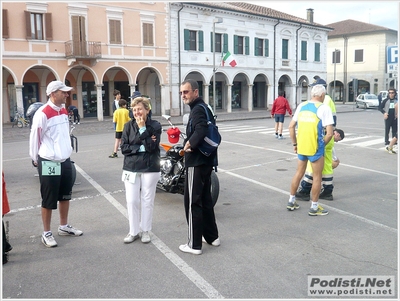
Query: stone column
[(250, 97), (229, 99), (100, 116), (20, 99), (206, 93)]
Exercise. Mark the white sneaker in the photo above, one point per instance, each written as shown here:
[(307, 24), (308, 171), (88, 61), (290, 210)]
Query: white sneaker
[(185, 248), (146, 237), (215, 243), (69, 230), (130, 238), (48, 240)]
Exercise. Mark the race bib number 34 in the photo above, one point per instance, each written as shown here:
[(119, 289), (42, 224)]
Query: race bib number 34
[(51, 168)]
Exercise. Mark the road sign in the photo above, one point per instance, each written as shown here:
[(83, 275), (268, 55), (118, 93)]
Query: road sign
[(392, 59)]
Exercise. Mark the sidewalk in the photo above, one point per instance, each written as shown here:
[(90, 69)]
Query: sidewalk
[(90, 125)]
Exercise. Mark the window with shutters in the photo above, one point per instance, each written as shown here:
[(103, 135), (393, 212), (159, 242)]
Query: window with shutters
[(218, 42), (261, 47), (194, 40), (5, 24), (241, 45), (38, 26), (304, 50), (115, 31), (358, 55), (317, 52), (148, 34), (285, 49)]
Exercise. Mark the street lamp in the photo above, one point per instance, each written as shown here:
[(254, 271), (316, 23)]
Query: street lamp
[(334, 74), (216, 20)]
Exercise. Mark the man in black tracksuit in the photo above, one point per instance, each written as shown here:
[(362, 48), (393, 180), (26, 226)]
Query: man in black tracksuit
[(197, 198), (387, 109)]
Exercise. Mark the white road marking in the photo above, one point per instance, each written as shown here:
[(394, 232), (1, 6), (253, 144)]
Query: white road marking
[(189, 272)]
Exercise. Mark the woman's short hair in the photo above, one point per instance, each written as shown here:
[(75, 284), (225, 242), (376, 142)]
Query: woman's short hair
[(144, 100), (116, 92)]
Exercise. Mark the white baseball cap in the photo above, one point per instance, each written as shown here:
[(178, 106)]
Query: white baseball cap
[(57, 85)]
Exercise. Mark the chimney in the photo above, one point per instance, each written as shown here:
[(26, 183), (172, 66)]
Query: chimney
[(310, 15)]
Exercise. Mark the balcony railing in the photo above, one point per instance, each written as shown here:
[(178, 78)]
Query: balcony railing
[(82, 49)]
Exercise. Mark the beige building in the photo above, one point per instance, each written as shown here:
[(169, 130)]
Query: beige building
[(361, 54), (95, 47)]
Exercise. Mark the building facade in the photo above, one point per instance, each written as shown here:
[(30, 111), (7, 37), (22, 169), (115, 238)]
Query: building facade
[(358, 58), (93, 47), (273, 51), (97, 47)]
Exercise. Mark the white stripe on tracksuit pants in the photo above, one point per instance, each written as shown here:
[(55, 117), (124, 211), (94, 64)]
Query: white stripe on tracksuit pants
[(198, 206)]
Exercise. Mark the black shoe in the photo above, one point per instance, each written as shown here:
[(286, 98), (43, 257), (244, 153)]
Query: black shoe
[(302, 195), (5, 258), (7, 247), (326, 196)]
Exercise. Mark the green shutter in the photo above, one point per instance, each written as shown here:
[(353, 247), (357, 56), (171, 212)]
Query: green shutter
[(186, 36), (255, 46), (266, 47), (235, 44), (201, 40), (225, 49), (303, 50), (212, 44), (285, 49), (317, 52), (247, 45)]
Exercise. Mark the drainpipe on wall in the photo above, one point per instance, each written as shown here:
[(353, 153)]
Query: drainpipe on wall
[(179, 57), (297, 62), (275, 57)]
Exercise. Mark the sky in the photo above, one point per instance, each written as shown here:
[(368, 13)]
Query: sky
[(382, 13)]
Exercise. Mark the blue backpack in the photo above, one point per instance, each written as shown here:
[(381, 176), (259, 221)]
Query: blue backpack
[(213, 138)]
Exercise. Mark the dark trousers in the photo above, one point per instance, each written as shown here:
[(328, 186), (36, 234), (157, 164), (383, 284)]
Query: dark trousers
[(76, 115), (390, 122), (307, 185), (6, 245), (198, 206)]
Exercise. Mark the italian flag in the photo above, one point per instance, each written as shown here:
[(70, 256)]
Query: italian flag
[(228, 59)]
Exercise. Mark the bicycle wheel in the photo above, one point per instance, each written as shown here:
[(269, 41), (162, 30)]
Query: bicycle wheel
[(20, 124)]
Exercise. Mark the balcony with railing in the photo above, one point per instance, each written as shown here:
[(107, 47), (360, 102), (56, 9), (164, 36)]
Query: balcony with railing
[(82, 50)]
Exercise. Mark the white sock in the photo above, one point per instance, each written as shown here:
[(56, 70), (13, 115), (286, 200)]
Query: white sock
[(314, 205), (45, 232), (63, 226), (292, 198)]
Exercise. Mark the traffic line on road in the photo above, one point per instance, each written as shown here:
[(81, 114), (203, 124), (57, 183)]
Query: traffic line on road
[(189, 272), (360, 218)]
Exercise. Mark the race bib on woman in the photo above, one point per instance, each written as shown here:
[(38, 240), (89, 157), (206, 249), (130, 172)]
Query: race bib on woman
[(128, 176)]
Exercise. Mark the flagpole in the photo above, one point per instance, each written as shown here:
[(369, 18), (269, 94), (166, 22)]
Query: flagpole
[(216, 20)]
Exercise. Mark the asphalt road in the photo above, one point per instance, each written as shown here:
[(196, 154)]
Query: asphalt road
[(266, 251)]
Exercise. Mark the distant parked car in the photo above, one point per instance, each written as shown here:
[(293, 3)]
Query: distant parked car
[(367, 101)]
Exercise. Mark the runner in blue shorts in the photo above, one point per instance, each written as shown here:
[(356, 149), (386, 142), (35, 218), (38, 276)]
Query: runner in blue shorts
[(314, 123)]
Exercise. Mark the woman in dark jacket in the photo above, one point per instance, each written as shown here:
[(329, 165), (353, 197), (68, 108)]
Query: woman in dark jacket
[(141, 171)]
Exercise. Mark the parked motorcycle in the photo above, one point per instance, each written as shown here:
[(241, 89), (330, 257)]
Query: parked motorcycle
[(172, 165)]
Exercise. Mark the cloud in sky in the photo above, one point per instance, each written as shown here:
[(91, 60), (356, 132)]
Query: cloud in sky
[(382, 13)]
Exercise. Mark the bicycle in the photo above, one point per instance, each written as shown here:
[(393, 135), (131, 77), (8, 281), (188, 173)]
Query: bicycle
[(20, 121)]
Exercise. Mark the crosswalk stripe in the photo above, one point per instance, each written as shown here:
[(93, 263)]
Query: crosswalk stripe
[(369, 142)]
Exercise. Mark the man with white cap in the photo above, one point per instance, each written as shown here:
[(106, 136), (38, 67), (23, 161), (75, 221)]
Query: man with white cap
[(50, 149)]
